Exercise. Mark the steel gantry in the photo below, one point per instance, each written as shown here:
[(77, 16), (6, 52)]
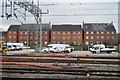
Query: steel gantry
[(30, 7)]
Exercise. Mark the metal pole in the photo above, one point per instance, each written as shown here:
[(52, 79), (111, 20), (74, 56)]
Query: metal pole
[(40, 31), (27, 39), (36, 38)]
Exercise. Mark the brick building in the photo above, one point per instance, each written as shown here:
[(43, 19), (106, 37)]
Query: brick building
[(27, 33), (65, 33), (87, 34), (3, 36), (99, 33), (12, 33)]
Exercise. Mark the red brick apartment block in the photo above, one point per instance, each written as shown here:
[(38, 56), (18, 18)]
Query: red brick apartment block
[(99, 33), (28, 33), (87, 34), (66, 33)]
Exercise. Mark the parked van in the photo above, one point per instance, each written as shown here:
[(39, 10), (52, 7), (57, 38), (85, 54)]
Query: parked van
[(99, 48), (15, 46), (62, 48)]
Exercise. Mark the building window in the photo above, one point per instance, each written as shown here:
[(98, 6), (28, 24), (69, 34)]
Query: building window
[(63, 32), (112, 37), (10, 37), (98, 42), (20, 32), (26, 37), (69, 37), (25, 32), (14, 32), (91, 37), (21, 37), (108, 32), (58, 32), (74, 32), (78, 32), (45, 37), (53, 32), (14, 37), (91, 32), (53, 37), (74, 37), (30, 37), (108, 37), (63, 37), (86, 43), (31, 33), (74, 43), (112, 32), (97, 37), (97, 32), (86, 37), (102, 37), (36, 37), (86, 32), (68, 32), (58, 37), (78, 37), (102, 32), (45, 32)]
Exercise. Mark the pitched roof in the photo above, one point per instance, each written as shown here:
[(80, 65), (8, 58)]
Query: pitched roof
[(25, 27), (66, 27), (14, 28), (99, 27), (32, 27)]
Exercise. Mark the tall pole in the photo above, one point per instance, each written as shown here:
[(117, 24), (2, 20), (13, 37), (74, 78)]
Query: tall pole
[(40, 31), (27, 39)]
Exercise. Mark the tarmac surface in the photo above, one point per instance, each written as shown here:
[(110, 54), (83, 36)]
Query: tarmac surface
[(74, 53)]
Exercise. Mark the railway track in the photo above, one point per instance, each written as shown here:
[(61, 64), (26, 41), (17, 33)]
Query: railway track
[(60, 65), (60, 60)]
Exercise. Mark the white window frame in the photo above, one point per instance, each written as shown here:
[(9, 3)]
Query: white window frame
[(58, 32), (92, 32), (87, 43), (53, 32), (87, 32), (87, 37), (68, 32), (113, 32), (102, 32), (74, 32), (98, 32), (91, 37), (102, 37), (108, 32), (63, 32)]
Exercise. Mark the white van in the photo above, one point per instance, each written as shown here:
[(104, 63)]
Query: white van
[(15, 46), (99, 48), (62, 48)]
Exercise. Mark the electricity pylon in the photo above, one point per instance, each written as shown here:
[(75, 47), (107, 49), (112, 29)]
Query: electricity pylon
[(30, 7)]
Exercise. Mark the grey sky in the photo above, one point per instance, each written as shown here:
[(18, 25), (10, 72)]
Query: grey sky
[(74, 14)]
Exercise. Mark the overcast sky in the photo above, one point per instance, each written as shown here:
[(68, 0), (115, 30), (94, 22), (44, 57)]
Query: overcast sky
[(75, 14)]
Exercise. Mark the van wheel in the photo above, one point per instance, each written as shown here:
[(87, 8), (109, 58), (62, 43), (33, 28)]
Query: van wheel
[(108, 52), (67, 51), (94, 52), (45, 51)]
